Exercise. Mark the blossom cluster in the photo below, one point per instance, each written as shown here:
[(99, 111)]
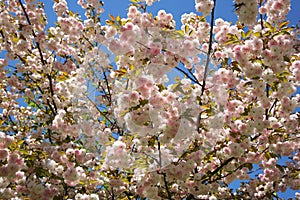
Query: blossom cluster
[(246, 11), (276, 10), (204, 6)]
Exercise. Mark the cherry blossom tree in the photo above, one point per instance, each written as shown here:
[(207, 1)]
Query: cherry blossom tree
[(135, 134)]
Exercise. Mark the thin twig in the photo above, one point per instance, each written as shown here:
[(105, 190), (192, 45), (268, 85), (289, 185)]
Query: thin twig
[(33, 33), (267, 85), (92, 45), (207, 61), (127, 195), (113, 194), (163, 173), (267, 93), (261, 16), (159, 152), (166, 186), (143, 45), (49, 136), (107, 85), (152, 157), (205, 178), (98, 109), (52, 92), (42, 60), (191, 78), (273, 105), (209, 47)]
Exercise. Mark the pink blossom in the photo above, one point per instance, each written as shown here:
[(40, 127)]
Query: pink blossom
[(3, 154)]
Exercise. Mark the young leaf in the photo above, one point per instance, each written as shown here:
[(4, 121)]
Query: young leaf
[(257, 34), (283, 24), (111, 17), (248, 33), (110, 22), (186, 28)]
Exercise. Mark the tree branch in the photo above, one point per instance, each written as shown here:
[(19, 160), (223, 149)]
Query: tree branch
[(163, 173), (99, 110), (107, 85), (209, 47), (52, 93), (207, 62), (33, 33), (194, 79), (206, 177)]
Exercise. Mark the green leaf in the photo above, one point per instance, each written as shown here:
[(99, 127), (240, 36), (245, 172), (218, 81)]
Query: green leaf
[(249, 166), (138, 71), (151, 142), (236, 68), (280, 130), (110, 22), (280, 168), (282, 78), (117, 58), (257, 34), (243, 35), (248, 33), (229, 42), (177, 88), (20, 142), (121, 72), (161, 87), (285, 73), (191, 32), (143, 102), (177, 34), (111, 17), (232, 36), (268, 25), (145, 61), (42, 172), (269, 155), (186, 28), (232, 134), (288, 29), (249, 83)]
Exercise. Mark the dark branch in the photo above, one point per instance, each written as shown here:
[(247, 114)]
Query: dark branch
[(33, 33), (209, 47), (194, 79), (107, 85), (206, 177), (163, 173)]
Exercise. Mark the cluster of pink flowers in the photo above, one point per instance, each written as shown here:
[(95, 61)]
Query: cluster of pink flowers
[(60, 7), (86, 197), (204, 6), (14, 163), (247, 11), (221, 30), (276, 10), (117, 156)]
